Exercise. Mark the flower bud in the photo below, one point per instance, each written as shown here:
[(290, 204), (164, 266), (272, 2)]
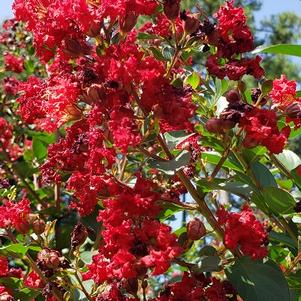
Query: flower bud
[(191, 24), (78, 235), (195, 229), (49, 258), (128, 22), (95, 93), (93, 30), (255, 96), (72, 112), (233, 96), (219, 126), (75, 48), (131, 286), (38, 226), (293, 110), (171, 9)]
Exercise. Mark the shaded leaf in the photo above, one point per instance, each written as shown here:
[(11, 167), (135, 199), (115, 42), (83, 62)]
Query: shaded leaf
[(278, 200), (171, 166), (257, 281)]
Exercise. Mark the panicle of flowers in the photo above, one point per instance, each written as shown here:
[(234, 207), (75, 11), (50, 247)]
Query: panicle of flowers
[(244, 231), (232, 37), (261, 128), (133, 239)]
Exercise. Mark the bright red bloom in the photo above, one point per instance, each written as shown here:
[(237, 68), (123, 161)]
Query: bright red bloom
[(13, 63), (195, 288), (243, 231), (133, 239), (3, 266), (124, 129), (5, 133), (48, 104), (284, 92), (261, 129), (33, 280), (234, 69), (173, 106), (15, 215), (234, 33), (10, 85)]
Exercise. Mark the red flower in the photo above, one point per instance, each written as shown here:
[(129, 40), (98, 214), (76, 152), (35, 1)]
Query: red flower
[(33, 280), (13, 63), (261, 129), (243, 231), (234, 33), (10, 85), (284, 92), (3, 266), (15, 215), (234, 69), (124, 129)]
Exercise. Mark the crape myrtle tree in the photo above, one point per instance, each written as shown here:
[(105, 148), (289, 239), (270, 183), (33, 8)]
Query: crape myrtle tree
[(109, 127)]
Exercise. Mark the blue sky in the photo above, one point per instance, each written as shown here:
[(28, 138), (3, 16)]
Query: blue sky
[(269, 7)]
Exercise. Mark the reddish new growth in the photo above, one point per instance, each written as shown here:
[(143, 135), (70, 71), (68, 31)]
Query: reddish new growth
[(244, 231)]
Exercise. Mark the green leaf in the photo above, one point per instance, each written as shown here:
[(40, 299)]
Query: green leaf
[(256, 281), (39, 148), (17, 250), (209, 264), (157, 53), (29, 66), (286, 49), (237, 188), (171, 166), (282, 238), (208, 251), (263, 175), (168, 210), (193, 80), (214, 158), (174, 138), (266, 87), (289, 159), (146, 36), (278, 200)]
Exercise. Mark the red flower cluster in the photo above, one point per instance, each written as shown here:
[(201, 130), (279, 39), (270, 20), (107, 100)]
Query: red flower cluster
[(243, 231), (10, 85), (232, 37), (6, 142), (284, 97), (13, 63), (64, 24), (15, 214), (134, 240), (49, 103), (261, 129), (194, 288)]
